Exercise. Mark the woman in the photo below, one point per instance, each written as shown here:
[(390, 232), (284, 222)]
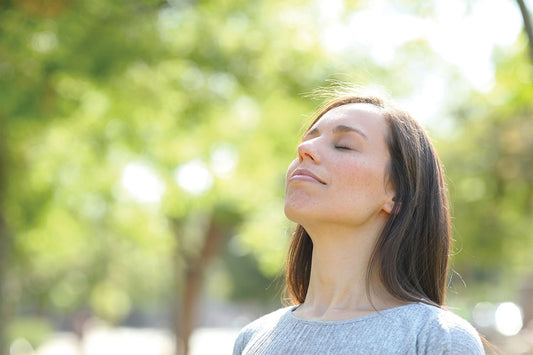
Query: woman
[(367, 264)]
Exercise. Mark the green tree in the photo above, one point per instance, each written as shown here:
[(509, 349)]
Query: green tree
[(54, 77), (490, 166)]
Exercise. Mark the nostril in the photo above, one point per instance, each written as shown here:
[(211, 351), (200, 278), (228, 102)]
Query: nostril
[(307, 151)]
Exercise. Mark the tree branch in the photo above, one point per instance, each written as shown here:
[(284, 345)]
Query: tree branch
[(527, 25)]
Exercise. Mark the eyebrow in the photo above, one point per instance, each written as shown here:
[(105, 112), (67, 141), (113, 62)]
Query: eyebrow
[(339, 129)]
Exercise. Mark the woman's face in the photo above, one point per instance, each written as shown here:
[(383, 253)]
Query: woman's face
[(339, 175)]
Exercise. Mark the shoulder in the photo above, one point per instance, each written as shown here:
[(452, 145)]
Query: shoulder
[(270, 318), (442, 329), (265, 322)]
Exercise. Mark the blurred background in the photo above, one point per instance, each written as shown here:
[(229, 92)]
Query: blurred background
[(144, 144)]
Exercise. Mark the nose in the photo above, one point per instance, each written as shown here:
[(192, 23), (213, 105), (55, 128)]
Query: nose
[(308, 150)]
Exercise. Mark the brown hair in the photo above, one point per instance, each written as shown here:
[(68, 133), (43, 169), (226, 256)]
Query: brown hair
[(411, 254)]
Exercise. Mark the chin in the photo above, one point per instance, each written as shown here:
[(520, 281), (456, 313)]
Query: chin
[(289, 213), (299, 214), (292, 213)]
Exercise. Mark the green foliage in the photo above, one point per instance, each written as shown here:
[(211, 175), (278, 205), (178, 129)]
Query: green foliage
[(490, 166)]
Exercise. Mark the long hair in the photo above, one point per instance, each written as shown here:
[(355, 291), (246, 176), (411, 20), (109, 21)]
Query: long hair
[(411, 253)]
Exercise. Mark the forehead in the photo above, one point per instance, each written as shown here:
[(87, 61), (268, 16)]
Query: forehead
[(365, 117)]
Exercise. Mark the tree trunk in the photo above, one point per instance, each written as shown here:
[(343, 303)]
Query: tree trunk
[(527, 25), (193, 280), (4, 245)]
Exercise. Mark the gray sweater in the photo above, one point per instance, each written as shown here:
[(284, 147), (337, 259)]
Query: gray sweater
[(415, 328)]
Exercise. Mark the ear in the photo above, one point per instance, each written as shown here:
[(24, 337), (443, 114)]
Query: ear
[(388, 205)]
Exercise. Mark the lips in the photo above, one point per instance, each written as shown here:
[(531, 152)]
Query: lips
[(305, 175)]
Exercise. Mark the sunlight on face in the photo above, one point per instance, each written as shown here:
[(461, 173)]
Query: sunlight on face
[(338, 177)]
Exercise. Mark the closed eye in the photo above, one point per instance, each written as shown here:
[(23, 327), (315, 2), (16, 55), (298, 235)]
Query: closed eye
[(341, 147)]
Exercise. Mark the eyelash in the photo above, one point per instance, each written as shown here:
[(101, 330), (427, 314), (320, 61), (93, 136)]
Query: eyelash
[(343, 147)]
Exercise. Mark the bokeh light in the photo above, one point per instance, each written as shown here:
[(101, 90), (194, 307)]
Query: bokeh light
[(194, 177), (141, 183), (508, 318)]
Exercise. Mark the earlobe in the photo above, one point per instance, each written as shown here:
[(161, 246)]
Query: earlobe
[(388, 206)]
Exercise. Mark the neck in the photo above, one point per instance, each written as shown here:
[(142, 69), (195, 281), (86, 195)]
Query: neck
[(338, 287)]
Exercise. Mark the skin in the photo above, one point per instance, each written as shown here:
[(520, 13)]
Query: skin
[(337, 189)]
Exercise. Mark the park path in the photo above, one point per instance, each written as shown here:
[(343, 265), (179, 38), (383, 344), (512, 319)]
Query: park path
[(101, 340)]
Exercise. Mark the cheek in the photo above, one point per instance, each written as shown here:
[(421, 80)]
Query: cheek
[(364, 177)]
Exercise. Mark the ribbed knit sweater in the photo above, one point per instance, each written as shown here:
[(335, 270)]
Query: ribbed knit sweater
[(415, 328)]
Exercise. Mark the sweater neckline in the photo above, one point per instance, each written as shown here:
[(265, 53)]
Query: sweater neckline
[(387, 311)]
